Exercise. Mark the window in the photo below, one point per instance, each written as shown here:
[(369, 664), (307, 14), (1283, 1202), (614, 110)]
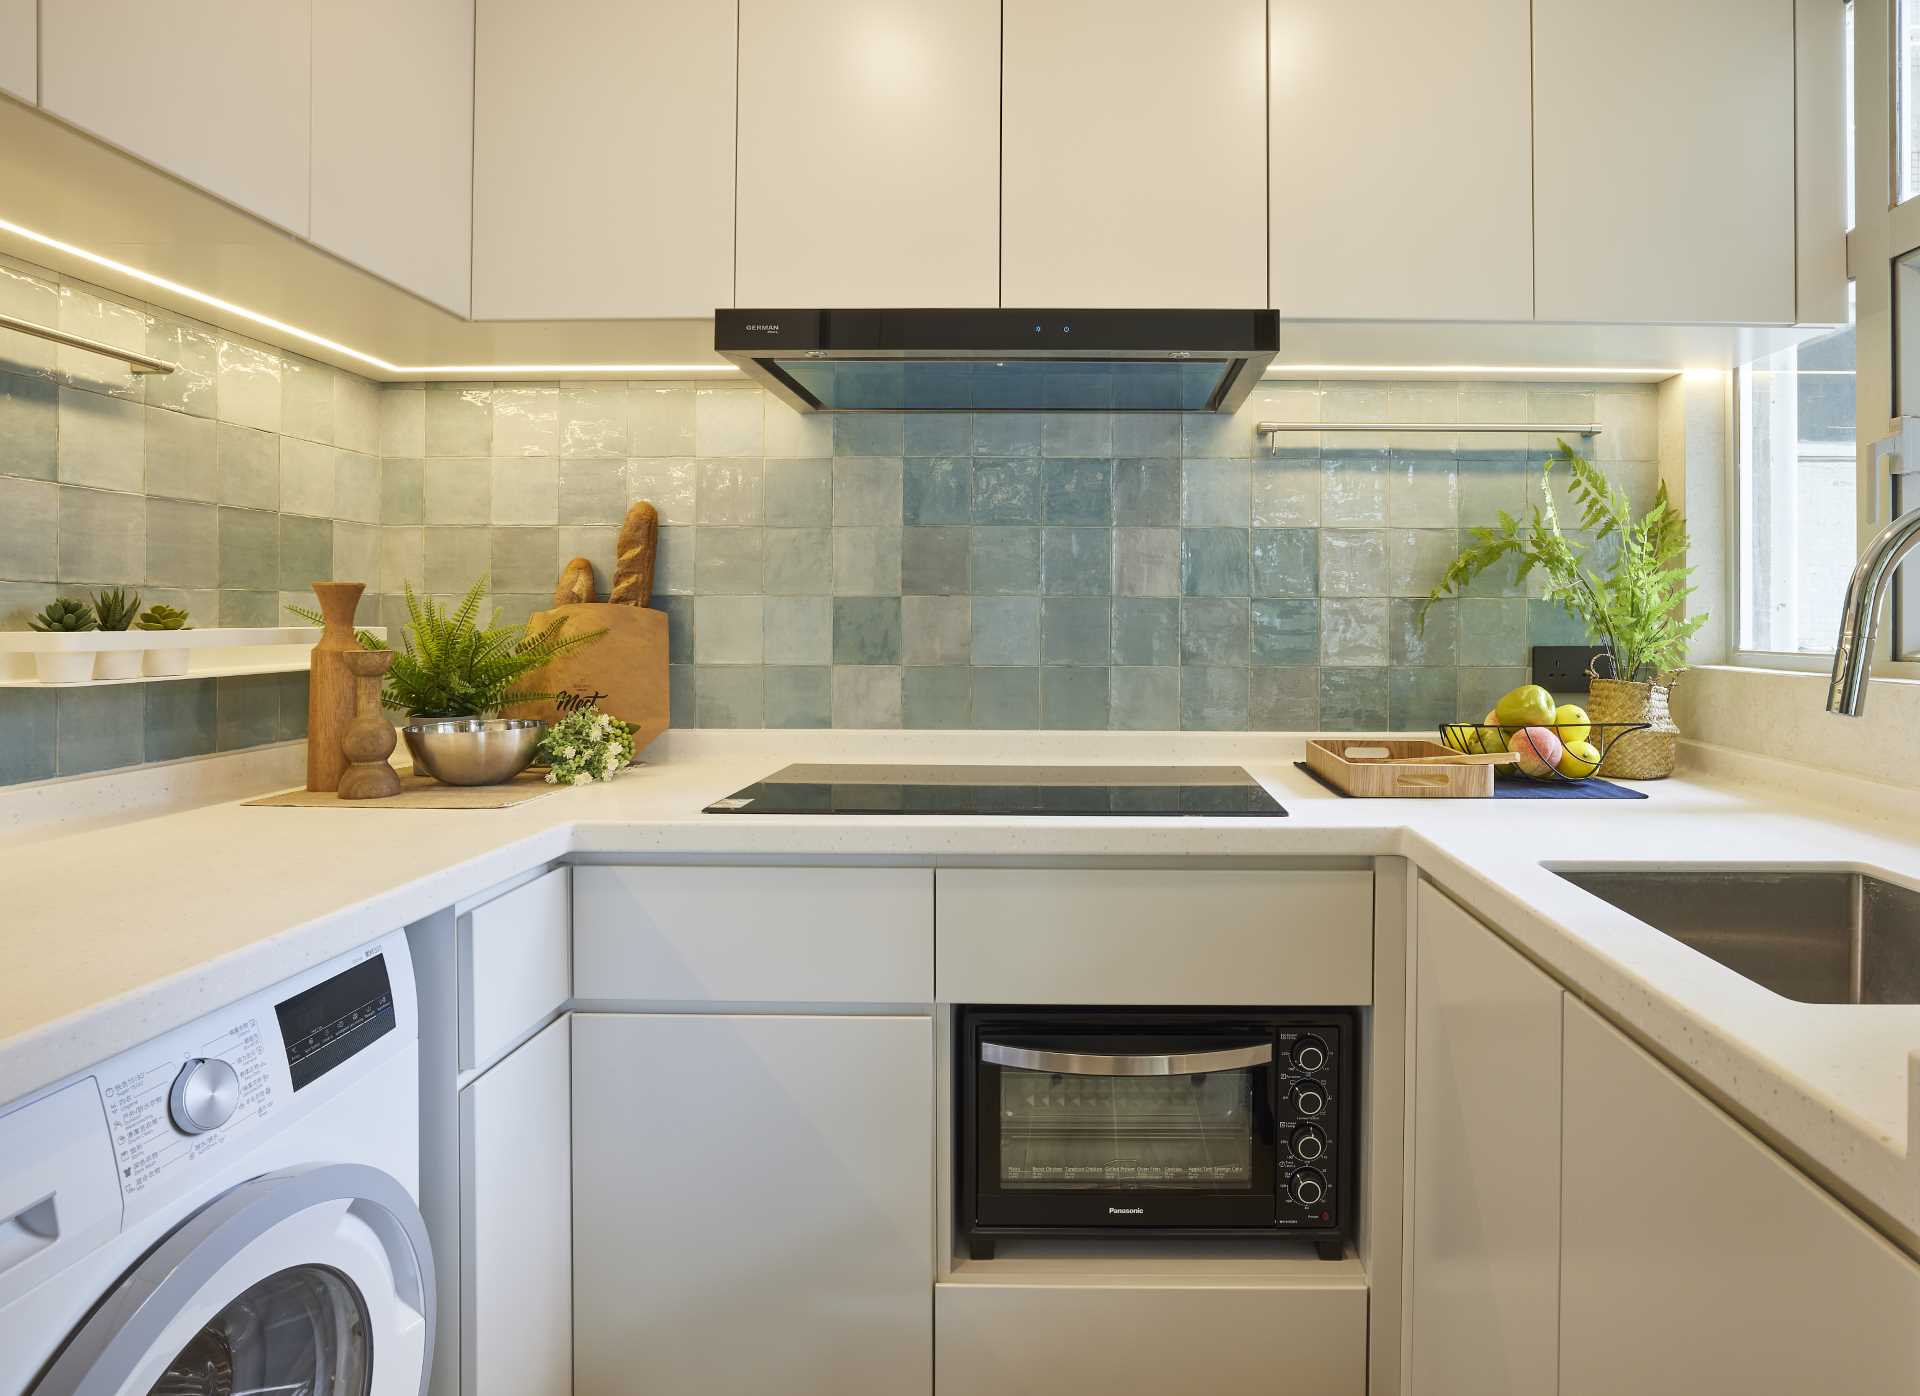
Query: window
[(1797, 506)]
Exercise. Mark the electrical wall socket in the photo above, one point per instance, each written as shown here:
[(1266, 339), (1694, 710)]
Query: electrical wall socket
[(1562, 669)]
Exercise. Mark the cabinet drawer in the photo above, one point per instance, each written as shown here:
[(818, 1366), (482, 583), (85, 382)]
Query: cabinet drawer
[(754, 935), (514, 965), (1098, 1340), (1086, 935)]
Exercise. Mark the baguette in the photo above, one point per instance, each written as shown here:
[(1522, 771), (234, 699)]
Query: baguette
[(633, 560)]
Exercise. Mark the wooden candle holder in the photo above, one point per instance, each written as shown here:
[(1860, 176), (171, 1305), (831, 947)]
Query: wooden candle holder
[(369, 738)]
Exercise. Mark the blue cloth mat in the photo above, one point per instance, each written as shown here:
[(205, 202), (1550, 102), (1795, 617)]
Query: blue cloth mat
[(1592, 788)]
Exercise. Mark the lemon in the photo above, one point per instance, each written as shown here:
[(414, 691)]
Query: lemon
[(1580, 760), (1572, 723)]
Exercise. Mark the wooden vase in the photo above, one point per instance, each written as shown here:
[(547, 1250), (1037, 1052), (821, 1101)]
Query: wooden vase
[(369, 738), (330, 687)]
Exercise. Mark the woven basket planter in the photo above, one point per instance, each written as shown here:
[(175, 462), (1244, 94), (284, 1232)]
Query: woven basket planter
[(1648, 755)]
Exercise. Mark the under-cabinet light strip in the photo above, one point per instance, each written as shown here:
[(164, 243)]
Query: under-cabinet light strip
[(481, 371), (319, 341)]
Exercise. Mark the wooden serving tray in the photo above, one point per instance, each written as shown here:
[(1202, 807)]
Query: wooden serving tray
[(1357, 767)]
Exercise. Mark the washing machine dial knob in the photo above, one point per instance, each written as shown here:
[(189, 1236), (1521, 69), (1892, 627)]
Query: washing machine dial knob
[(205, 1094)]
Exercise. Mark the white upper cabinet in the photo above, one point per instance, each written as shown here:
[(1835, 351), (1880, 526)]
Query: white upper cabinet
[(1400, 150), (1132, 162), (604, 158), (1664, 160), (869, 157), (393, 141), (19, 49), (218, 93)]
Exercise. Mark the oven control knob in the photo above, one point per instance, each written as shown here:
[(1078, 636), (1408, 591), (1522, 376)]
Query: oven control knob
[(1309, 1144), (205, 1094), (1309, 1188), (1308, 1099), (1309, 1054)]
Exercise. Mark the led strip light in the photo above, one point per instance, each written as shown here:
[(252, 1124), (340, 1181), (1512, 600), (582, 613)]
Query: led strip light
[(481, 371)]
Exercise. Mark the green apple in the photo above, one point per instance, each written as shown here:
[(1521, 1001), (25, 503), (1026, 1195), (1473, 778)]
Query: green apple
[(1527, 706)]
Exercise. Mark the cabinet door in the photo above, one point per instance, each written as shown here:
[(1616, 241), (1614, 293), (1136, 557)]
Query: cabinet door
[(1664, 160), (1698, 1261), (1485, 1162), (753, 1205), (869, 158), (217, 93), (20, 48), (603, 159), (1400, 154), (516, 1221), (1133, 157), (393, 141)]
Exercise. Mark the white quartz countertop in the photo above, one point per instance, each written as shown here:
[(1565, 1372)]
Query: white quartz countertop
[(113, 935)]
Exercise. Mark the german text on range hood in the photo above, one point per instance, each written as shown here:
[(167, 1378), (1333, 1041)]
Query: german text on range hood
[(1002, 360)]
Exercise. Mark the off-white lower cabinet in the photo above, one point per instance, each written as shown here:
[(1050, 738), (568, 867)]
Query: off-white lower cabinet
[(1195, 1337), (1697, 1262), (753, 1204), (1485, 1162), (516, 1205)]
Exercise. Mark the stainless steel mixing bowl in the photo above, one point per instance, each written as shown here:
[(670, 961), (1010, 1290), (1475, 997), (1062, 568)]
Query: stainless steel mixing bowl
[(473, 750)]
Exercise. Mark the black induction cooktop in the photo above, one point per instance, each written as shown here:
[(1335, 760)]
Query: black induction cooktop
[(1199, 792)]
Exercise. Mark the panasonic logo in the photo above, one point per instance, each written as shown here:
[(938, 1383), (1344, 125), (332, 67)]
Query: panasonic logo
[(1126, 1211)]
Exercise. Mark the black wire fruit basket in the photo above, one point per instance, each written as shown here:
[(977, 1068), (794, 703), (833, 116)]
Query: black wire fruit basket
[(1582, 747)]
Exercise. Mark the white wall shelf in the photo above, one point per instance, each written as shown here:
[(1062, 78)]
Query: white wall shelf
[(36, 659)]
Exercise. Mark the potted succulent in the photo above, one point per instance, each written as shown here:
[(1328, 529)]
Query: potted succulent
[(1625, 579), (64, 616), (167, 660), (452, 678), (114, 610)]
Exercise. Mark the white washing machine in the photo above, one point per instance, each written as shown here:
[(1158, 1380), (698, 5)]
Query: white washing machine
[(231, 1208)]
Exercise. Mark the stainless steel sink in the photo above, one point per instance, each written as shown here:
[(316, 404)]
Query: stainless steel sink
[(1815, 936)]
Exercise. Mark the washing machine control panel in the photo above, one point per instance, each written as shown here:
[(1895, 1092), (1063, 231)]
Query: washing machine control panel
[(176, 1106), (195, 1101)]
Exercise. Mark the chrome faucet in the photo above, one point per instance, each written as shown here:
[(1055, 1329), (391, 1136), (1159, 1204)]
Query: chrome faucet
[(1853, 655)]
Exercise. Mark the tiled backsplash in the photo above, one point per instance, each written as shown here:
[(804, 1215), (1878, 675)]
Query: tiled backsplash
[(1015, 571), (1010, 571), (224, 488)]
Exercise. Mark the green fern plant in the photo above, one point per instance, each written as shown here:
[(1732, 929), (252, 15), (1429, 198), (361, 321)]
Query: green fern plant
[(1636, 607), (453, 667)]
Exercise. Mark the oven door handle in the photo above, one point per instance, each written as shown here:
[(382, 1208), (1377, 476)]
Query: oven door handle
[(1101, 1064)]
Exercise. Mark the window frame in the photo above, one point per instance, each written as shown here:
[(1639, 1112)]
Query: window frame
[(1885, 229), (1737, 580)]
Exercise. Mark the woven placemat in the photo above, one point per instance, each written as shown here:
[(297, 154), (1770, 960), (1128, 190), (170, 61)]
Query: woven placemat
[(424, 792)]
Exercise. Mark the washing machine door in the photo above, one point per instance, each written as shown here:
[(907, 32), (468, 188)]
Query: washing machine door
[(312, 1281)]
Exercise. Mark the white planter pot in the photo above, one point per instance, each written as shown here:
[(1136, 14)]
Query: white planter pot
[(117, 664), (64, 666), (165, 663)]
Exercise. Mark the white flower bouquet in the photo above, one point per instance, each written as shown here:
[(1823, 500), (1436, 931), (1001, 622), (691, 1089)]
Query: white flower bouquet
[(586, 746)]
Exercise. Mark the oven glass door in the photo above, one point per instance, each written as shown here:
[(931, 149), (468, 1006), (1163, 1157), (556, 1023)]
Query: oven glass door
[(1101, 1130)]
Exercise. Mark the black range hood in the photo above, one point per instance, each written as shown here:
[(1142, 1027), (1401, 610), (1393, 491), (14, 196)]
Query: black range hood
[(1002, 360)]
